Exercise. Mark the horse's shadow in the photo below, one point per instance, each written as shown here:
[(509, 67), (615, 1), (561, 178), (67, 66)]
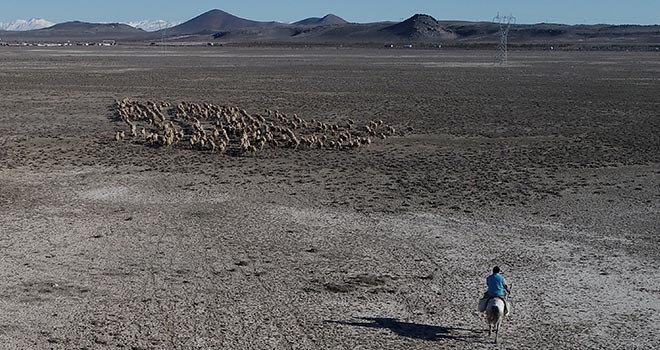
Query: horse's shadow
[(415, 330)]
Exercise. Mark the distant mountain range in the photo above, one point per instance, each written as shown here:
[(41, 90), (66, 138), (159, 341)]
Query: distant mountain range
[(22, 24), (77, 31), (220, 26), (152, 25)]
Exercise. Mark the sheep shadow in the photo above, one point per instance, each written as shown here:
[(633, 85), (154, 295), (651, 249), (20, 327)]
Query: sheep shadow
[(416, 330)]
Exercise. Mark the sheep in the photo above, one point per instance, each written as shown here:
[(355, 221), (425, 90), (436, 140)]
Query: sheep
[(222, 147), (166, 140), (211, 127), (294, 142), (151, 138), (344, 136)]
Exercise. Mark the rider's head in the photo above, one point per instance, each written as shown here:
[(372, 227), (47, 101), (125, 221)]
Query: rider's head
[(496, 269)]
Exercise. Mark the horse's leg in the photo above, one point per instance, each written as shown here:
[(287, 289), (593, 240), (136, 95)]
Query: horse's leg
[(490, 329)]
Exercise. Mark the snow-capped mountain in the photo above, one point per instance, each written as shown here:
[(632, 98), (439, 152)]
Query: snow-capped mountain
[(152, 25), (22, 24), (38, 23)]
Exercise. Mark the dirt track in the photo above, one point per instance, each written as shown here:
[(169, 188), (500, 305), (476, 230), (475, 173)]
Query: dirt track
[(548, 168)]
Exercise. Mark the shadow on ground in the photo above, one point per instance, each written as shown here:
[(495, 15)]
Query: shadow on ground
[(416, 330)]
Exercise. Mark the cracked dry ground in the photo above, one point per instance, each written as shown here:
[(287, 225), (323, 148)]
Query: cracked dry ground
[(548, 168)]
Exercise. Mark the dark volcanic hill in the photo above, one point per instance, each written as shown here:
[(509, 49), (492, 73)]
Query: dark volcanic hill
[(216, 21), (328, 20), (416, 29), (419, 28)]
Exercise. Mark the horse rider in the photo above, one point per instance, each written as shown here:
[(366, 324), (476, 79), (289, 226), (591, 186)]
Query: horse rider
[(496, 289)]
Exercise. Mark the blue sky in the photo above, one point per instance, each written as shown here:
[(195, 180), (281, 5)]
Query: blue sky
[(527, 11)]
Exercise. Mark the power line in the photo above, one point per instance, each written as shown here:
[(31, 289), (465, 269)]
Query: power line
[(505, 23), (163, 32)]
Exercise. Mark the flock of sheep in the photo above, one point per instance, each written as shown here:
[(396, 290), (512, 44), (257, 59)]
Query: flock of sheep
[(231, 130)]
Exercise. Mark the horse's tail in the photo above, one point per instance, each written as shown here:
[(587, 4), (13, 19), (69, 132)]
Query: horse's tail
[(495, 311)]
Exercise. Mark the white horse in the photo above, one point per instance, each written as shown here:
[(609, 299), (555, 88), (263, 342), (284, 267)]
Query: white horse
[(496, 311), (494, 316)]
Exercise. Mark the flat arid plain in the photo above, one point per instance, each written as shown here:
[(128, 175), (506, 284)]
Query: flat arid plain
[(547, 167)]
